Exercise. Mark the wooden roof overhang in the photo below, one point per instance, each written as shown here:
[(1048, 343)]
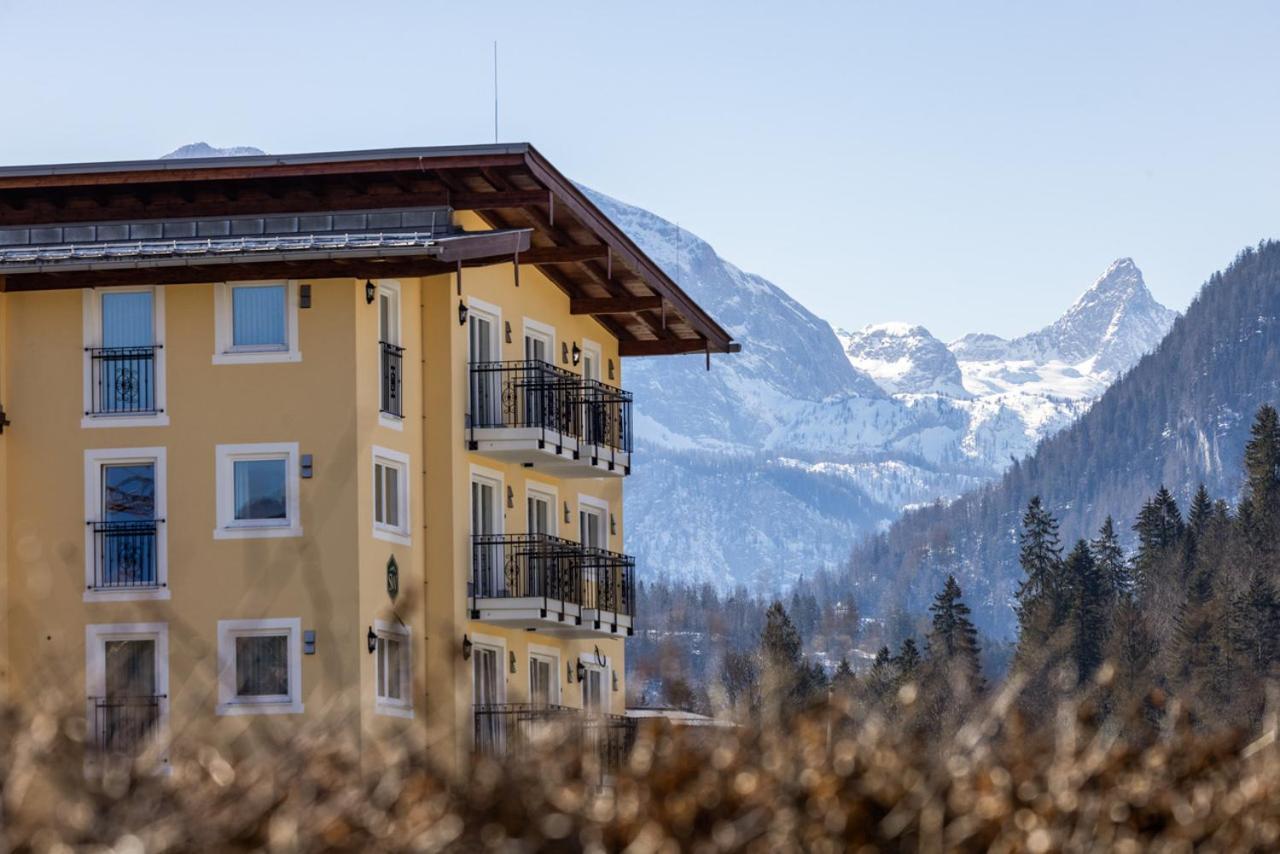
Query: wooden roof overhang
[(513, 188)]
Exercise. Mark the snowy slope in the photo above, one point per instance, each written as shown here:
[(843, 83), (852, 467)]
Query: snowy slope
[(781, 456)]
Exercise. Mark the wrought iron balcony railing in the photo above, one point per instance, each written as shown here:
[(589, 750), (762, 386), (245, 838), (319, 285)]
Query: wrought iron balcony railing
[(609, 582), (525, 394), (124, 724), (392, 380), (124, 555), (518, 566), (123, 381), (606, 418), (516, 730)]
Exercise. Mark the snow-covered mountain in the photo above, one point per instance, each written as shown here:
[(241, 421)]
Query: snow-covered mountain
[(903, 358), (781, 456), (204, 149)]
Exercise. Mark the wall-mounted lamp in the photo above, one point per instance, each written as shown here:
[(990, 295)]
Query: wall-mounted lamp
[(615, 681), (511, 498), (600, 659), (506, 325), (466, 647), (513, 662), (372, 640), (568, 672), (613, 525), (611, 369), (369, 290), (582, 671), (462, 313), (567, 517), (577, 353), (564, 353)]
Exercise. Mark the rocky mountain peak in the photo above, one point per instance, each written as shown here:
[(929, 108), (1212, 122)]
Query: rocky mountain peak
[(204, 149), (903, 358)]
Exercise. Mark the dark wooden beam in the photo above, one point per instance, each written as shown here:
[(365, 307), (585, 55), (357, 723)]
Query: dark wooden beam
[(563, 254), (614, 305), (665, 347)]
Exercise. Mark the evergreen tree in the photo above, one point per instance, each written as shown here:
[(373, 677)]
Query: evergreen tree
[(1108, 556), (953, 639), (880, 681), (1262, 461), (1202, 511), (1090, 603), (1040, 593), (1159, 529), (844, 681), (780, 642), (907, 661)]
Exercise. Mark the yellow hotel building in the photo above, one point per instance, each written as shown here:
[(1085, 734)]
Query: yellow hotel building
[(338, 434)]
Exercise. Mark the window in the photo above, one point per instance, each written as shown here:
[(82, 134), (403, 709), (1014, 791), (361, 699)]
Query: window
[(394, 677), (259, 667), (391, 495), (125, 544), (390, 357), (257, 491), (256, 322), (127, 682), (124, 358), (544, 672)]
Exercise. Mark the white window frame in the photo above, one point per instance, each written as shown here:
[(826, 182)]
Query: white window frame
[(493, 313), (592, 347), (401, 533), (553, 655), (92, 312), (542, 490), (391, 287), (230, 528), (95, 670), (225, 353), (594, 503), (588, 660), (494, 478), (94, 459), (384, 629), (500, 646), (538, 329), (229, 703)]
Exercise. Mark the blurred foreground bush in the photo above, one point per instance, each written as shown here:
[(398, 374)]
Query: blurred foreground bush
[(831, 779)]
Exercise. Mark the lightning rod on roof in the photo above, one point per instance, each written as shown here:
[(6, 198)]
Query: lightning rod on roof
[(495, 90)]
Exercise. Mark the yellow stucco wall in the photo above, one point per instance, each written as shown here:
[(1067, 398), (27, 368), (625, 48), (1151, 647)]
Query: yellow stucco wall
[(333, 577)]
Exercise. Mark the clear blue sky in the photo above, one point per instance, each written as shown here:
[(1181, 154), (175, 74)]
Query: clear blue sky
[(969, 166)]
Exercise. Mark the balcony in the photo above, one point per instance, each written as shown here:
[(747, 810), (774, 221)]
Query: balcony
[(521, 730), (124, 724), (544, 417), (124, 555), (122, 381), (538, 582), (391, 398)]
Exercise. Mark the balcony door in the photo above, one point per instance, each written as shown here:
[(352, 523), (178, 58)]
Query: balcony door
[(593, 691), (487, 691), (538, 380), (544, 687), (486, 525), (391, 357), (486, 376), (125, 377), (127, 526), (127, 683), (591, 527), (543, 565)]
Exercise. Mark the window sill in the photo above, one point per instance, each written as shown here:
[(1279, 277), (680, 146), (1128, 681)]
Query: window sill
[(257, 357), (393, 711), (254, 533), (148, 594), (391, 422), (160, 419), (232, 709), (392, 537)]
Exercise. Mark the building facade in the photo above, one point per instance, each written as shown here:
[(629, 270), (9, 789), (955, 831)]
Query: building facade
[(337, 436)]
